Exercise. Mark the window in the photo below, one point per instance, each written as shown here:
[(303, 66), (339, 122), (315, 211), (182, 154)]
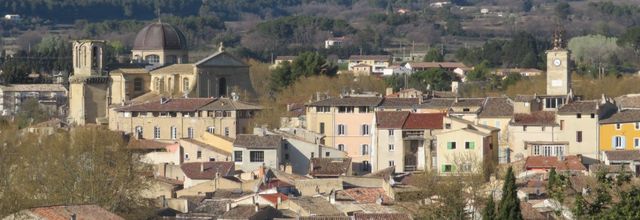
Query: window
[(199, 154), (618, 126), (636, 142), (313, 154), (185, 84), (237, 156), (447, 168), (345, 109), (392, 147), (152, 59), (578, 136), (451, 145), (364, 109), (593, 115), (561, 125), (637, 124), (365, 130), (211, 159), (256, 156), (390, 132), (392, 163), (465, 109), (226, 131), (186, 156), (341, 147), (469, 145), (579, 115), (286, 156), (321, 127), (139, 131), (327, 154), (323, 109), (156, 132), (365, 149), (618, 142), (524, 128), (466, 167), (447, 126), (536, 150), (138, 84), (543, 128), (341, 130), (211, 130), (174, 133), (190, 133), (365, 166)]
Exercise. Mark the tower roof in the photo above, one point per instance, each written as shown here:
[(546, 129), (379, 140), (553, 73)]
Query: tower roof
[(160, 36)]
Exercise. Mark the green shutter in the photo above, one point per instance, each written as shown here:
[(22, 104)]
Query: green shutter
[(449, 145), (453, 168), (472, 145), (444, 170)]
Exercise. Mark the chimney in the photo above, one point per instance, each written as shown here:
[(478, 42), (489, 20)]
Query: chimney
[(228, 206), (257, 207), (332, 197), (379, 200)]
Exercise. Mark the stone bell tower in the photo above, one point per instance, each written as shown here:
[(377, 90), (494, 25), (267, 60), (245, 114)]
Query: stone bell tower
[(88, 86), (558, 75)]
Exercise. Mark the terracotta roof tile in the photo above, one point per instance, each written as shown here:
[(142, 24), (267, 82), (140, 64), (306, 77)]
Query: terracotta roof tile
[(330, 166), (85, 212), (438, 103), (273, 197), (623, 154), (622, 117), (170, 105), (570, 163), (274, 183), (391, 119), (253, 141), (193, 170), (367, 195), (579, 107), (497, 107), (530, 213), (424, 121), (535, 118), (382, 216), (349, 101)]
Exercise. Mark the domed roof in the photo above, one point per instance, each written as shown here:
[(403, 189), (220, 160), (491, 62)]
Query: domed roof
[(160, 36)]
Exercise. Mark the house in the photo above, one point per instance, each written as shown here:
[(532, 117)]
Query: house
[(335, 42), (466, 108), (199, 172), (330, 167), (12, 17), (395, 69), (281, 59), (464, 146), (88, 212), (533, 135), (171, 119), (579, 126), (250, 212), (621, 131), (497, 112), (51, 97), (362, 69), (194, 150), (251, 151), (162, 187), (377, 62), (423, 66), (625, 158), (345, 123), (264, 199), (405, 140), (155, 152)]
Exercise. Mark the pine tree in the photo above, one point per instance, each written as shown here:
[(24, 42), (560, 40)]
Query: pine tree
[(489, 212), (509, 208)]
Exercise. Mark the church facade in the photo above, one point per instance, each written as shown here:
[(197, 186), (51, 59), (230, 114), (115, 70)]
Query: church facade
[(159, 69)]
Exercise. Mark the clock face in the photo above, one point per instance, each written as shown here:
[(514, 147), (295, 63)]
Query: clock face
[(557, 62)]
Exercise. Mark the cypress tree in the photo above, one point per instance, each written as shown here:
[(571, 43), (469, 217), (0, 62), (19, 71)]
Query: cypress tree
[(489, 212), (509, 208)]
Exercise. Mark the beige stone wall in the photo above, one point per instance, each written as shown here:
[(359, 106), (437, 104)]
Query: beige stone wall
[(588, 147), (87, 102), (172, 83), (158, 189), (558, 76), (328, 118), (206, 154), (383, 155), (456, 157)]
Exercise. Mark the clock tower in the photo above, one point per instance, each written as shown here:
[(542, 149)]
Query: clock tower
[(558, 76)]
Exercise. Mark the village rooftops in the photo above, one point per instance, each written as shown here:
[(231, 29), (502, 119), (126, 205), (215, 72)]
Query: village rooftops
[(33, 88), (570, 163), (624, 116), (175, 68), (443, 103), (381, 216), (629, 101), (371, 101), (252, 141), (623, 155), (579, 107), (168, 105), (227, 104), (207, 170), (525, 98), (330, 167), (85, 212), (250, 212), (467, 102), (446, 65), (370, 57), (146, 144), (497, 107), (399, 102), (539, 118), (424, 121), (391, 119), (317, 206), (366, 195)]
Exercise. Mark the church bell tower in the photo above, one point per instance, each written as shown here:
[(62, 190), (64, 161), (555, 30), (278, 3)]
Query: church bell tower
[(88, 86), (558, 75)]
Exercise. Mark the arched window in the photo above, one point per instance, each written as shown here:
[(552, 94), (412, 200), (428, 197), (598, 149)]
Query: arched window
[(185, 84), (138, 84), (152, 59), (222, 87)]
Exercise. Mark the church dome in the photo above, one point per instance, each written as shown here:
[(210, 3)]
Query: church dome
[(160, 36)]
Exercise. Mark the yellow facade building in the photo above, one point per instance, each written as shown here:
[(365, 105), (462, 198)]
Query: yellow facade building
[(621, 131)]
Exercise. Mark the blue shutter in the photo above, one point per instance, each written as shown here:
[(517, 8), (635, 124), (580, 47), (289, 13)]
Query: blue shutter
[(624, 142), (613, 142)]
